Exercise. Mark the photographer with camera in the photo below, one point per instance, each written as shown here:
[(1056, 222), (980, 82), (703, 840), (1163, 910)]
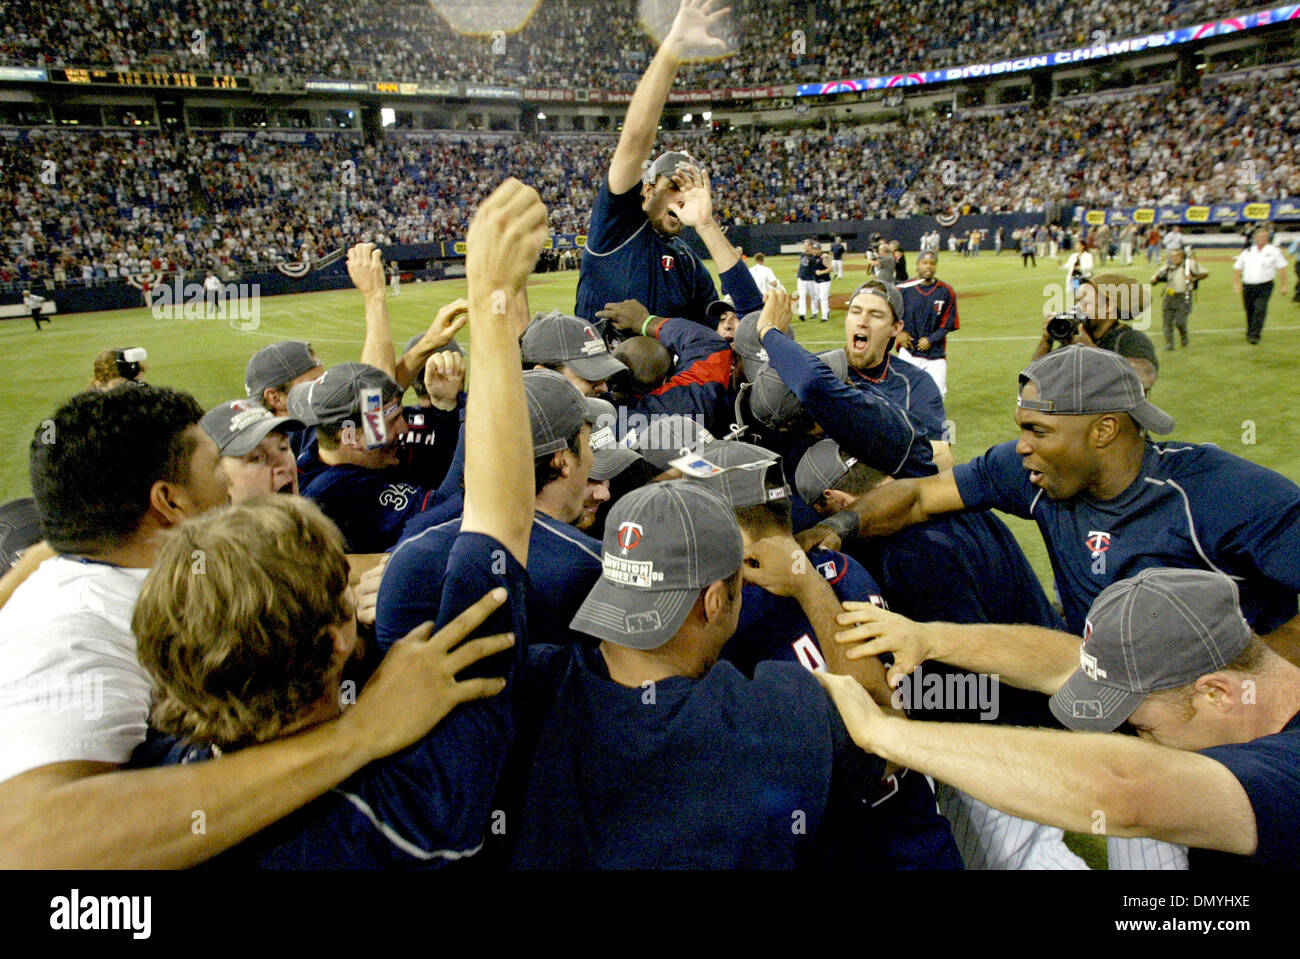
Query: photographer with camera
[(1100, 306)]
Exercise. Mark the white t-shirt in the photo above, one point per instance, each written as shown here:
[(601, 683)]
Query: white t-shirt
[(764, 278), (1259, 265), (71, 687)]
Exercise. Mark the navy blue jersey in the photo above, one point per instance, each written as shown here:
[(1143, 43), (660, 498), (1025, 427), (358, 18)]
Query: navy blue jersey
[(720, 772), (860, 415), (962, 568), (1268, 769), (774, 627), (809, 264), (1191, 507), (625, 259), (907, 385), (837, 251), (430, 804), (299, 440), (563, 565), (930, 312), (370, 507)]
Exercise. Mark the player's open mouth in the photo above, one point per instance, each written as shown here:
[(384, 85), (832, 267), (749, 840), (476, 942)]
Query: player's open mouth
[(286, 488), (860, 341), (1036, 477), (672, 217)]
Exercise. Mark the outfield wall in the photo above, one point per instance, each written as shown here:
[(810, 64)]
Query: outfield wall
[(765, 238)]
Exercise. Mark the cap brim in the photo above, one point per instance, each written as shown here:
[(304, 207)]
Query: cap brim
[(1087, 706), (632, 617), (246, 440), (593, 369), (609, 462), (1153, 418)]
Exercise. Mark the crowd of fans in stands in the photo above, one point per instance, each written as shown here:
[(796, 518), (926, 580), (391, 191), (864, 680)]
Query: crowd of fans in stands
[(597, 43), (128, 203)]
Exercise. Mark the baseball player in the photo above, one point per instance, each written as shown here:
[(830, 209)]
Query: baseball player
[(825, 268), (837, 257), (929, 314), (634, 251), (1110, 503), (959, 568), (1216, 712), (809, 264)]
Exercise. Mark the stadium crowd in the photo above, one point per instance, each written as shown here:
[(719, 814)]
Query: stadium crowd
[(120, 202), (317, 627), (603, 45)]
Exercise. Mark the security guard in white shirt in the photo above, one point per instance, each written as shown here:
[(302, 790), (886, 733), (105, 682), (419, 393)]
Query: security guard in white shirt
[(1253, 274)]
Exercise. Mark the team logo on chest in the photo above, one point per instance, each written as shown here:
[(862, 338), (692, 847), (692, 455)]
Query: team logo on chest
[(629, 535), (1098, 541), (668, 262)]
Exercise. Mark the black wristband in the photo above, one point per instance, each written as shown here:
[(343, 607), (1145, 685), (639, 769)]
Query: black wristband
[(845, 523)]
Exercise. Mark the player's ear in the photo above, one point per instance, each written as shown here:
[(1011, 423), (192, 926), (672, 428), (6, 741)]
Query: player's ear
[(714, 600), (1105, 430)]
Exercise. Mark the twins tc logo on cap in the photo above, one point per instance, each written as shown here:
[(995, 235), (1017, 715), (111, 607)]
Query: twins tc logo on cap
[(629, 535)]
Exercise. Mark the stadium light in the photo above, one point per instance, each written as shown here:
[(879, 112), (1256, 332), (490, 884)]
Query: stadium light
[(706, 116), (387, 116), (688, 117), (541, 114)]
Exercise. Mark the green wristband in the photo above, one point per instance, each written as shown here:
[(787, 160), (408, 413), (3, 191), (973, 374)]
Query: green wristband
[(647, 323)]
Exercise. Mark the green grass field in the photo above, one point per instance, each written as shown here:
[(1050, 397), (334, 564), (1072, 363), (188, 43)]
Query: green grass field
[(1220, 390)]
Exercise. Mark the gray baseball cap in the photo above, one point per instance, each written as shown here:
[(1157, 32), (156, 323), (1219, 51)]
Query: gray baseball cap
[(558, 338), (273, 366), (748, 475), (237, 426), (882, 288), (1159, 630), (663, 544), (748, 346), (821, 467), (773, 403), (609, 459), (666, 165), (667, 437), (335, 395), (556, 410), (1085, 380)]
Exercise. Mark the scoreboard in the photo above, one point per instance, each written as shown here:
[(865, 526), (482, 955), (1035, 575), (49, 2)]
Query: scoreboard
[(150, 78)]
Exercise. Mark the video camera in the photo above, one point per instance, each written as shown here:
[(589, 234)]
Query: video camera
[(1062, 327)]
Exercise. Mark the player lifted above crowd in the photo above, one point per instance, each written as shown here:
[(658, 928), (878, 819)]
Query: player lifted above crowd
[(633, 249)]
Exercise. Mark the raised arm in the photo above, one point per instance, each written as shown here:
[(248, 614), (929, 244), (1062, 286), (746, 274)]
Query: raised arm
[(887, 509), (504, 240), (441, 331), (366, 268), (690, 31)]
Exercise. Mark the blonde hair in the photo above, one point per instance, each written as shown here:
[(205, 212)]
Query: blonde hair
[(234, 622)]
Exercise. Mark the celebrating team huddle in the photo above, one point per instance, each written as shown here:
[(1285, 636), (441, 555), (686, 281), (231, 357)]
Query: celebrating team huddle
[(649, 584)]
